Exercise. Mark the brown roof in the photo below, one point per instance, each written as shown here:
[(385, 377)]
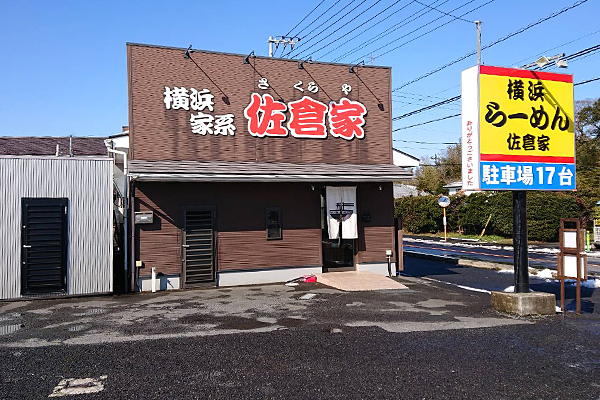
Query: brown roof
[(211, 171), (46, 146)]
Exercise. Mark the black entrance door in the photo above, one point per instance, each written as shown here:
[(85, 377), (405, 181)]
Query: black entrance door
[(44, 245), (338, 255), (199, 233)]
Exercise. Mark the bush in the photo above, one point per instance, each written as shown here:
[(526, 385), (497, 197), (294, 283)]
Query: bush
[(468, 214)]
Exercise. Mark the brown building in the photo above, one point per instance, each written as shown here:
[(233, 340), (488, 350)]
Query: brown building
[(249, 169)]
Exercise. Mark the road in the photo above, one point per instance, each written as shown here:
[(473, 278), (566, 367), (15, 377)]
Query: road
[(492, 280), (539, 257), (432, 341)]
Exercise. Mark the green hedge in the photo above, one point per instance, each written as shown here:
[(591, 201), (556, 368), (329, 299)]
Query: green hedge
[(468, 214)]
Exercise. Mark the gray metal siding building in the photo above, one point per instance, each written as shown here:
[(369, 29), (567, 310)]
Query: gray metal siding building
[(83, 226)]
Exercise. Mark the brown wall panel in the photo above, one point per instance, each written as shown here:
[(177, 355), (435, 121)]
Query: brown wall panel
[(160, 134), (250, 249), (242, 242), (378, 233), (240, 224)]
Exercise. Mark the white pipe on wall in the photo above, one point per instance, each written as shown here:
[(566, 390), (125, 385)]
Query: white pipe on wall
[(125, 215), (153, 279)]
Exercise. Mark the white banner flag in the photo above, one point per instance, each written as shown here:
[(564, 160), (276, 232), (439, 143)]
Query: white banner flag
[(341, 210)]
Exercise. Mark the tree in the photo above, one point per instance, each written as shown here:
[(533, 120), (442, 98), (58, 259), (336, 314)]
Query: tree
[(429, 178), (588, 118), (587, 150), (438, 171)]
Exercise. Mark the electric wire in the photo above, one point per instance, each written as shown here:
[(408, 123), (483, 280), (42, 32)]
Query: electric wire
[(556, 47), (389, 30), (330, 25), (588, 81), (428, 32), (574, 56), (306, 16), (315, 20), (453, 99), (445, 13), (418, 142), (426, 122), (369, 28), (500, 40), (515, 63), (420, 110), (341, 36)]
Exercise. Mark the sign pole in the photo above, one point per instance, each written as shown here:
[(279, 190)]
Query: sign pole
[(478, 24), (444, 202), (520, 241), (445, 235)]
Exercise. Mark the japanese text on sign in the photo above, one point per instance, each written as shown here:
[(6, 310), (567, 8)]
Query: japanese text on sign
[(525, 136), (309, 118)]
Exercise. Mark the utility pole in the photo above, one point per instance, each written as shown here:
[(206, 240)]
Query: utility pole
[(478, 24), (284, 40)]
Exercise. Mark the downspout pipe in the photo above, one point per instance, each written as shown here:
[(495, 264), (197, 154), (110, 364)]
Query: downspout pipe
[(125, 216)]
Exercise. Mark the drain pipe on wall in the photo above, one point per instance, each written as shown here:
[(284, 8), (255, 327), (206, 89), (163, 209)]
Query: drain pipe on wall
[(153, 279), (388, 254), (125, 215)]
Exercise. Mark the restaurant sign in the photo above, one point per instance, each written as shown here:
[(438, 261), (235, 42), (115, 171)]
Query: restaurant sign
[(517, 130), (308, 118)]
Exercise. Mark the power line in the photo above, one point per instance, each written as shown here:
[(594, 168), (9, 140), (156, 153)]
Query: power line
[(371, 27), (315, 20), (341, 36), (389, 30), (414, 141), (430, 31), (553, 15), (329, 26), (306, 16), (445, 13), (427, 122), (575, 55), (452, 99), (588, 81), (420, 110), (317, 43), (514, 63), (520, 62)]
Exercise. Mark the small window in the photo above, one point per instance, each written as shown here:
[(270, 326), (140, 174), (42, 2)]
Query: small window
[(273, 223)]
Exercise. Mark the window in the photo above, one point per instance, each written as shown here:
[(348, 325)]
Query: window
[(273, 215)]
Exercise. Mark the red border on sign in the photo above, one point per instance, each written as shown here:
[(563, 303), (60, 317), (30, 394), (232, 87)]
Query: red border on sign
[(525, 158), (524, 73)]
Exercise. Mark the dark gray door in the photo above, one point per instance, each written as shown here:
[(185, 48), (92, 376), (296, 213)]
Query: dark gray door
[(44, 245), (198, 253)]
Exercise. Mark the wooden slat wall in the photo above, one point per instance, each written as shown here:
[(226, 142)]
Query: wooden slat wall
[(378, 234), (160, 134), (241, 239), (241, 227), (250, 249)]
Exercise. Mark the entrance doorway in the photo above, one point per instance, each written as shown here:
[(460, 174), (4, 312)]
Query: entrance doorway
[(43, 245), (338, 255), (198, 245)]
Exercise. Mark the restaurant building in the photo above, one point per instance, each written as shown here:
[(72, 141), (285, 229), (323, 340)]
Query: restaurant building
[(246, 169)]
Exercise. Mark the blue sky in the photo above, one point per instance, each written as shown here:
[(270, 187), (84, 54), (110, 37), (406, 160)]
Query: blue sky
[(63, 68)]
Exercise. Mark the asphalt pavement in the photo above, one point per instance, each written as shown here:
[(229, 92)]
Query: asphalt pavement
[(432, 341), (540, 256)]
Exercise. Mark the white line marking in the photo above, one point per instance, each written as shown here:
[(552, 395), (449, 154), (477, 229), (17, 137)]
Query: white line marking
[(73, 386)]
